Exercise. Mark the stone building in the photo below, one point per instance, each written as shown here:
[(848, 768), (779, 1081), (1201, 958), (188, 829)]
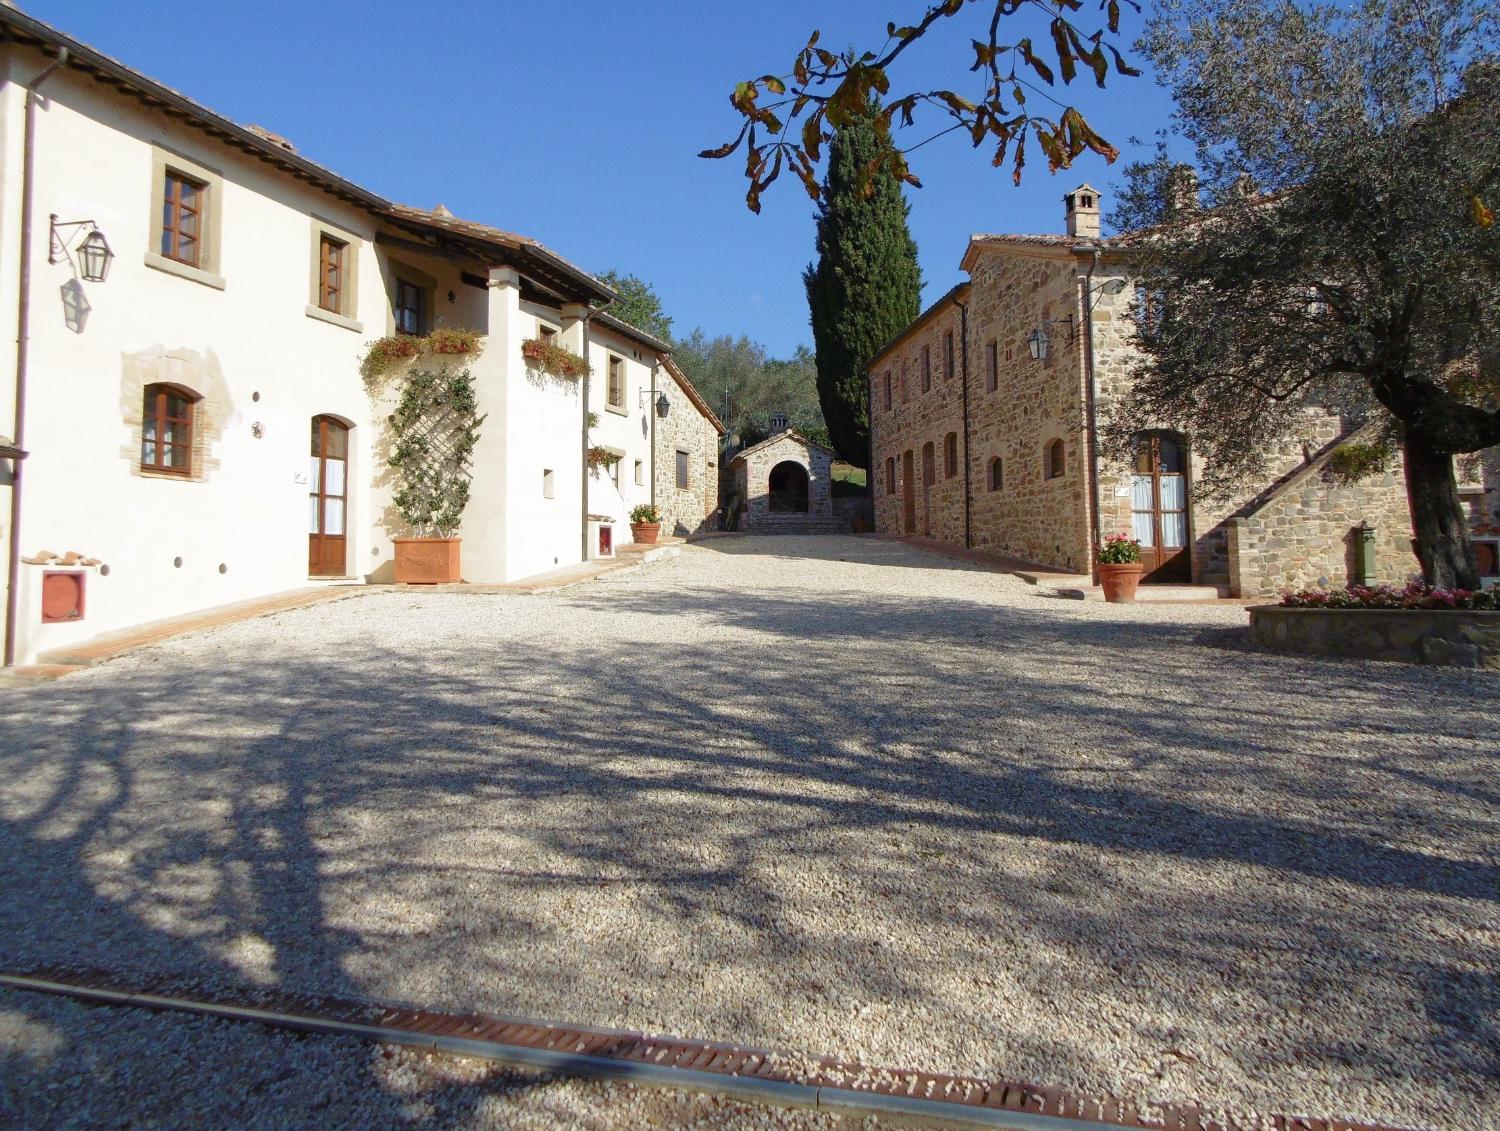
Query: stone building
[(784, 484), (686, 444), (984, 424)]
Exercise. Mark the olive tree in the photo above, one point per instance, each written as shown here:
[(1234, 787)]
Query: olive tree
[(1349, 260)]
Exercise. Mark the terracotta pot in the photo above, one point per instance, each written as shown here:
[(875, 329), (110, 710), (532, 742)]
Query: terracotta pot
[(644, 533), (427, 561), (1119, 580)]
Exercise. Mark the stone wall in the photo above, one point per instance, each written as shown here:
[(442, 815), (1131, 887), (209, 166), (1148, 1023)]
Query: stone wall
[(694, 508), (1304, 535), (1451, 638), (1028, 516), (919, 417), (752, 470)]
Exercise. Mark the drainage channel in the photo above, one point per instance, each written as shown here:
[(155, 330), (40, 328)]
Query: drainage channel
[(704, 1066)]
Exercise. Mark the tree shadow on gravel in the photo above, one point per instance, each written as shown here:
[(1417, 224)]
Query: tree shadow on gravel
[(936, 831)]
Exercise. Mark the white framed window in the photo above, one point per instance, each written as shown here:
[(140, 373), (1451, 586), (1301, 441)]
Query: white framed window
[(640, 473), (548, 487)]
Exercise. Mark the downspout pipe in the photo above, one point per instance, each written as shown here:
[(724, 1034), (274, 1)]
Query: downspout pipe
[(1095, 506), (583, 535), (963, 333), (23, 337), (651, 413)]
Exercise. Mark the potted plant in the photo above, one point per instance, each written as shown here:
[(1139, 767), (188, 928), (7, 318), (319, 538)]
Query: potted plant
[(433, 430), (645, 524), (1120, 567)]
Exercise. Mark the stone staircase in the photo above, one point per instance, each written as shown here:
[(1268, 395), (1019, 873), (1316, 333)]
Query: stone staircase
[(795, 524)]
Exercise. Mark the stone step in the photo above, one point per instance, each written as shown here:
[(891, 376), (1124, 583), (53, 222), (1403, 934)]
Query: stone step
[(1145, 594), (793, 526)]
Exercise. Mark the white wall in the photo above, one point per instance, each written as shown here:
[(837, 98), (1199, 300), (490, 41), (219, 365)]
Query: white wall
[(261, 364), (247, 511), (628, 431)]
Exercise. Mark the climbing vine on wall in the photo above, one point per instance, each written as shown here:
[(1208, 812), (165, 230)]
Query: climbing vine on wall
[(434, 429)]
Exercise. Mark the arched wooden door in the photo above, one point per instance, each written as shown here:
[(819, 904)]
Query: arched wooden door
[(1159, 506), (327, 499)]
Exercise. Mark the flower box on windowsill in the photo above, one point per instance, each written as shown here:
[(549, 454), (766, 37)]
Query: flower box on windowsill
[(553, 358)]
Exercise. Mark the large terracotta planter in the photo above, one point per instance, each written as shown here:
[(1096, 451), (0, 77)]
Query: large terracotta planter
[(1119, 580), (427, 561), (644, 533)]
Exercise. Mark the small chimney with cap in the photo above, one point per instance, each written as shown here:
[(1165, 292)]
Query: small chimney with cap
[(1083, 212)]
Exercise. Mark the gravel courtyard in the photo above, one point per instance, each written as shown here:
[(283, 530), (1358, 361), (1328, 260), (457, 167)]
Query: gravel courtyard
[(824, 794)]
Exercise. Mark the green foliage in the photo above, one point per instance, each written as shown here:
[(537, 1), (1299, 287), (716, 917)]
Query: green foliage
[(1355, 460), (645, 513), (556, 359), (1119, 549), (592, 419), (434, 429), (865, 287), (639, 304), (837, 88), (756, 385)]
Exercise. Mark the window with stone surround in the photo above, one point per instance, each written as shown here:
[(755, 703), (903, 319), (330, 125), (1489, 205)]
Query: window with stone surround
[(905, 386), (682, 470), (948, 356), (926, 369), (887, 390), (1054, 460), (890, 475), (950, 455), (996, 474), (991, 367)]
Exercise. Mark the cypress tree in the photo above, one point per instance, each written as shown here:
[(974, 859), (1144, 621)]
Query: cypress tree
[(865, 287)]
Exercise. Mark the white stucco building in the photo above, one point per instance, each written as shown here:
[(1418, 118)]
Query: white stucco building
[(194, 430)]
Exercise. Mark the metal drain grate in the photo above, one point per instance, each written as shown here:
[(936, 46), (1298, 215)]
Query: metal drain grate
[(702, 1065)]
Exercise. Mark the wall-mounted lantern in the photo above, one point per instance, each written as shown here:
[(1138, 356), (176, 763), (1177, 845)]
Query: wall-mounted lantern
[(94, 253), (1039, 344), (662, 403)]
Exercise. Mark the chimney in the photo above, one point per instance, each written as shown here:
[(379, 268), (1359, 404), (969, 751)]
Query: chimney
[(1083, 212), (1182, 190)]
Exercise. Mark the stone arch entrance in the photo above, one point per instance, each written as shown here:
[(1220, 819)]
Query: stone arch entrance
[(788, 488)]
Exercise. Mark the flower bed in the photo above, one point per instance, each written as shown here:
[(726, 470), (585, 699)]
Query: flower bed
[(1417, 595), (1414, 625)]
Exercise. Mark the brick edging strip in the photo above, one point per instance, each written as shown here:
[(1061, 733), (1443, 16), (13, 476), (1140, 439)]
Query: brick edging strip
[(707, 1066)]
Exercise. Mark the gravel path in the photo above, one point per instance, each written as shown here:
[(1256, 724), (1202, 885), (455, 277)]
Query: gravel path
[(823, 794)]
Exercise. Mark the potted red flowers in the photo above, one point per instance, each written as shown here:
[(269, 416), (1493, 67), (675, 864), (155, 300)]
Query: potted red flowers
[(645, 525), (1120, 567)]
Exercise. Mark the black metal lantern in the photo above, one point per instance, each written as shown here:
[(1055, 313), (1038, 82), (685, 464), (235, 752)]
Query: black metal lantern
[(663, 405), (1039, 344), (94, 257)]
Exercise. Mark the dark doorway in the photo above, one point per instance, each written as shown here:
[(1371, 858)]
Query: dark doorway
[(929, 477), (908, 494), (788, 488), (1159, 506)]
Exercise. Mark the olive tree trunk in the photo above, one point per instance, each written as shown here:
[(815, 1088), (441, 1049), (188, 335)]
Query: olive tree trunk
[(1437, 517)]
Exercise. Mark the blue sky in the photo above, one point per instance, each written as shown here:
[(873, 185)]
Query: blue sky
[(579, 124)]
